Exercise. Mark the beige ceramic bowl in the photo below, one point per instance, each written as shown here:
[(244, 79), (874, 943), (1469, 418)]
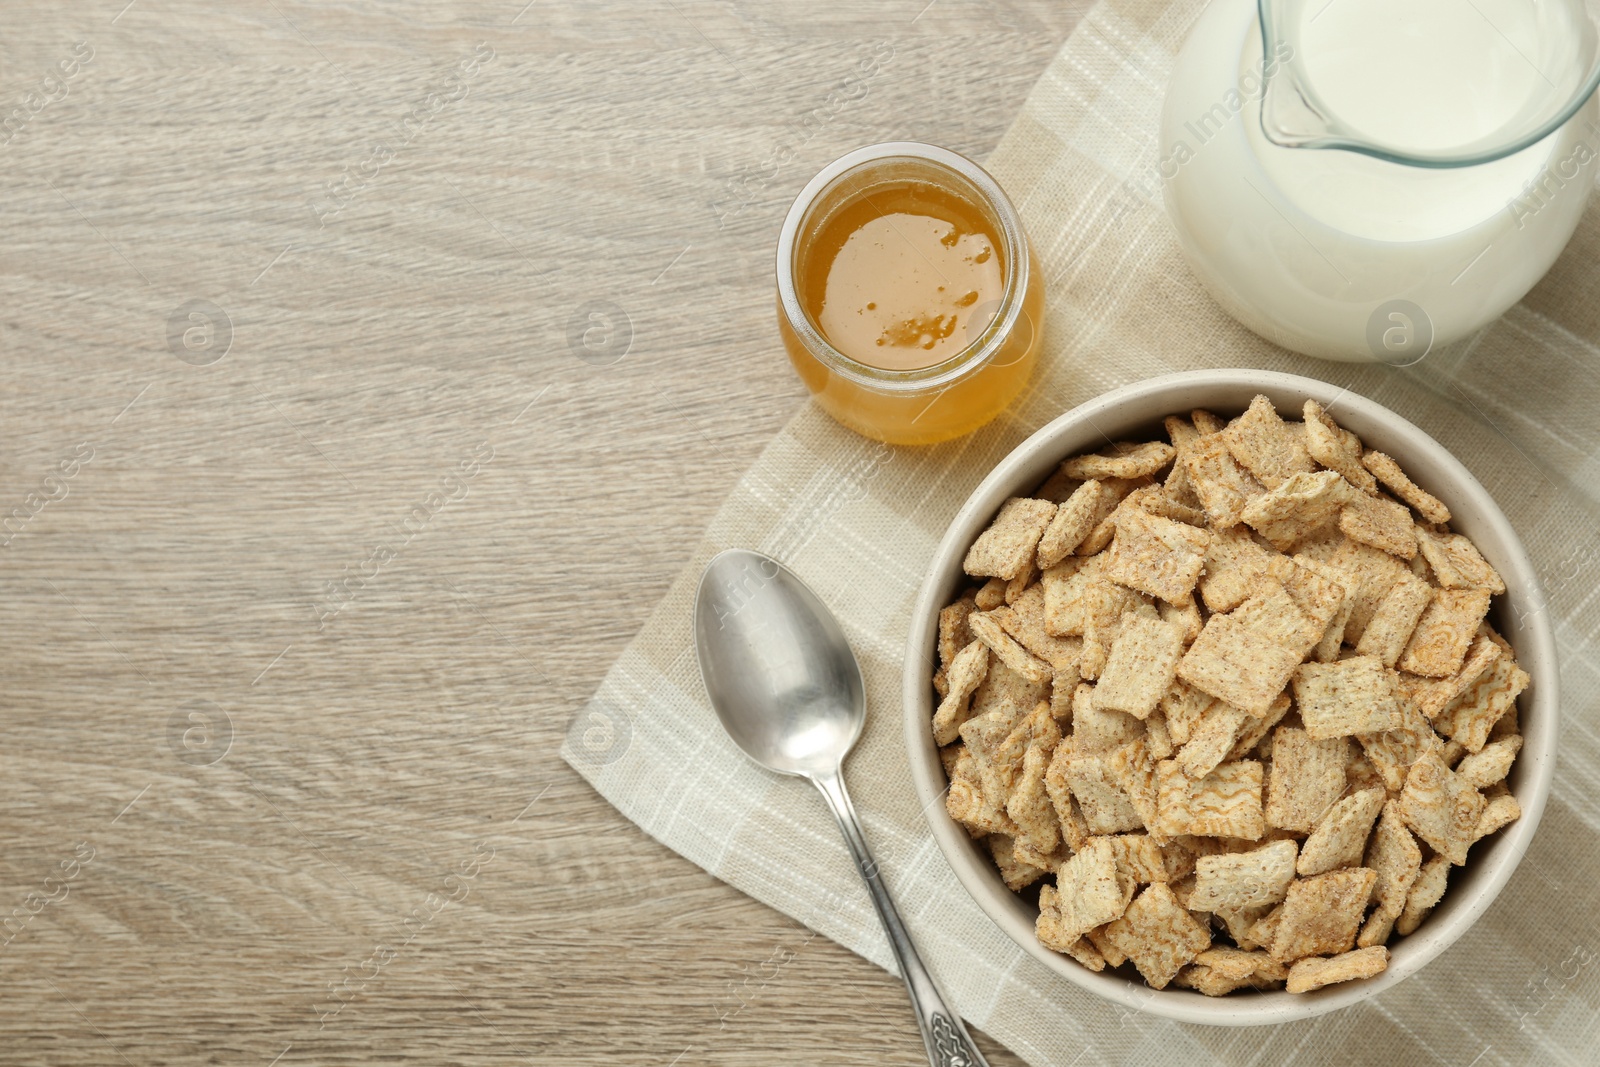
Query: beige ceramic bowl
[(1135, 412)]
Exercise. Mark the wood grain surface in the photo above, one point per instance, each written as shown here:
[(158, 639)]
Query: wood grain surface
[(369, 370)]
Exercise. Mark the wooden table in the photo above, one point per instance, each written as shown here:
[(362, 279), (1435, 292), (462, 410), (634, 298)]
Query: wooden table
[(369, 371)]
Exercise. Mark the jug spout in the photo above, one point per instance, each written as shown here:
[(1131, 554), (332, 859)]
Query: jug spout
[(1290, 115)]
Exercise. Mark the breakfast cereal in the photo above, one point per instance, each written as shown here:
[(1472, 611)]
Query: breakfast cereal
[(1229, 708)]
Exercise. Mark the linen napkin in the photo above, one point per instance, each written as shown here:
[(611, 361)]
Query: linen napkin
[(1518, 403)]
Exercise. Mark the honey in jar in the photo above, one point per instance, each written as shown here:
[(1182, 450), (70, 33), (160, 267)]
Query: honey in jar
[(908, 297)]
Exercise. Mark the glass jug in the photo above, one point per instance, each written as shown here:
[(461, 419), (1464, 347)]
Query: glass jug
[(1371, 179)]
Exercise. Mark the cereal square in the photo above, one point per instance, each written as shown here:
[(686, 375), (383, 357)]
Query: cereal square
[(1472, 714), (1113, 955), (1307, 777), (1340, 838), (1379, 522), (1210, 981), (1314, 973), (1317, 588), (1441, 808), (1006, 548), (1322, 915), (1122, 460), (1180, 431), (1266, 446), (954, 634), (1106, 606), (1240, 922), (1021, 583), (1062, 685), (1491, 763), (1106, 808), (1140, 667), (1393, 751), (1088, 506), (1074, 831), (1394, 854), (1236, 567), (1091, 890), (1161, 502), (1156, 736), (1132, 770), (1394, 621), (971, 666), (1321, 589), (1235, 664), (1336, 448), (1187, 617), (1426, 891), (1275, 615), (1184, 707), (1260, 935), (1024, 620), (1257, 729), (1065, 586), (1497, 813), (1457, 563), (1096, 730), (1003, 689), (1029, 803), (1376, 930), (996, 742), (1177, 486), (992, 595), (1135, 500), (1052, 934), (1235, 881), (1156, 555), (1158, 934), (1140, 858), (1237, 963), (1057, 488), (968, 805), (1353, 696), (1300, 508), (1389, 473), (1213, 738), (1221, 484), (1373, 572), (1016, 872), (1439, 644), (986, 628), (1225, 803)]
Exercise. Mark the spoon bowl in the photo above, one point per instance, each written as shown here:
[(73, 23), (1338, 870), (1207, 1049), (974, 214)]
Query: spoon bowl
[(776, 663)]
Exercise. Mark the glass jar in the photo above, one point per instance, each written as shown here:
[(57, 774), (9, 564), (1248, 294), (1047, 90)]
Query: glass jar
[(927, 404)]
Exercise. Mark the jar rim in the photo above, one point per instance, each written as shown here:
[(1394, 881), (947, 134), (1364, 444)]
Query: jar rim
[(1015, 276)]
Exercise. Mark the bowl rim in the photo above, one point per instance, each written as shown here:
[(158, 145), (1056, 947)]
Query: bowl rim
[(1472, 889)]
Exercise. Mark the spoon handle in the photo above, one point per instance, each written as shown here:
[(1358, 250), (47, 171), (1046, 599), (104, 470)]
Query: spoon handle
[(942, 1032)]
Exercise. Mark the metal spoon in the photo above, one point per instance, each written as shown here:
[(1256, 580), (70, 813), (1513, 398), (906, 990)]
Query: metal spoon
[(788, 690)]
